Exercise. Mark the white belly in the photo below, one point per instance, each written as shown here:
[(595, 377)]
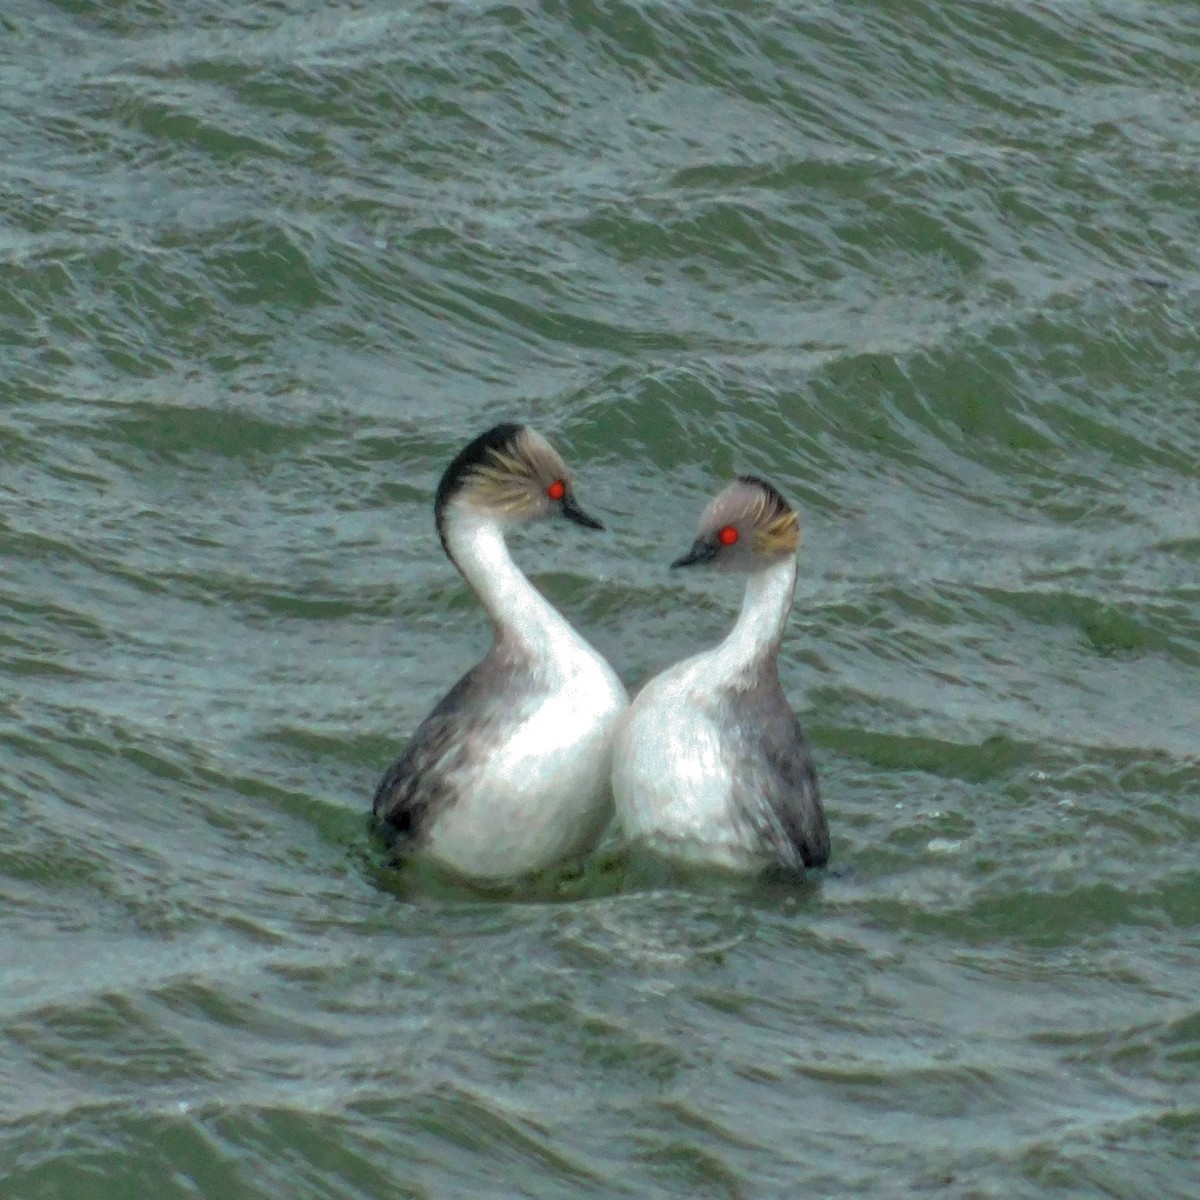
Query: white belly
[(671, 780), (541, 795)]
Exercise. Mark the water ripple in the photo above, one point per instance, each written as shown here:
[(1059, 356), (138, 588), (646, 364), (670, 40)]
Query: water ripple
[(931, 268)]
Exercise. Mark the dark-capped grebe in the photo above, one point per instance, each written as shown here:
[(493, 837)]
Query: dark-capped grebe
[(709, 763), (510, 772)]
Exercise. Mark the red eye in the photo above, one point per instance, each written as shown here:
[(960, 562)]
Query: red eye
[(727, 536), (557, 490)]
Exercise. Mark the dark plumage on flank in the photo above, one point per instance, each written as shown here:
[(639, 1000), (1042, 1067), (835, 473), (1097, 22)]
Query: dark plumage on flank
[(420, 784), (774, 780)]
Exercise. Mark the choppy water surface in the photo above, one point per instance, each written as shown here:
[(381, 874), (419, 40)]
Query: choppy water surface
[(933, 268)]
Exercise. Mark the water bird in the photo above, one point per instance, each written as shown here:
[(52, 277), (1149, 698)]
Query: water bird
[(710, 763), (509, 774)]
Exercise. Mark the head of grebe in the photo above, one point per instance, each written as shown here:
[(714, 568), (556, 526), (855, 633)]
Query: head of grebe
[(750, 529)]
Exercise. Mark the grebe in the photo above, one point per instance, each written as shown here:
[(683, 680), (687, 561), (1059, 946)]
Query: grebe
[(509, 774), (709, 762)]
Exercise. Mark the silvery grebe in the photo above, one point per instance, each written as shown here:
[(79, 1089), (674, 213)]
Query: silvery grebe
[(509, 774), (709, 762)]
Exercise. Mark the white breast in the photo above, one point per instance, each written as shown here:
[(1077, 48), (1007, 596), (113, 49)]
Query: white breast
[(541, 793), (671, 778)]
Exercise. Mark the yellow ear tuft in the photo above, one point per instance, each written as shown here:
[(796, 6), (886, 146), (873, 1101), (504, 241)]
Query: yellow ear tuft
[(503, 485), (779, 534), (511, 479)]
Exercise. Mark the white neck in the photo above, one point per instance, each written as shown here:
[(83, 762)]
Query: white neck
[(759, 627), (518, 611)]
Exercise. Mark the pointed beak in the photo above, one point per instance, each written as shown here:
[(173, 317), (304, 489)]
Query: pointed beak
[(703, 550), (571, 510)]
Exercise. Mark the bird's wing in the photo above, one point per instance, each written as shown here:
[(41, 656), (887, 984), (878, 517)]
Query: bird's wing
[(776, 782), (425, 778)]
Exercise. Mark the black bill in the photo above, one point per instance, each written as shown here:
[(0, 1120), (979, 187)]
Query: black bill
[(572, 511), (703, 550)]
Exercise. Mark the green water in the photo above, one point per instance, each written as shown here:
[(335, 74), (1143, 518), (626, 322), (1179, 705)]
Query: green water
[(933, 268)]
